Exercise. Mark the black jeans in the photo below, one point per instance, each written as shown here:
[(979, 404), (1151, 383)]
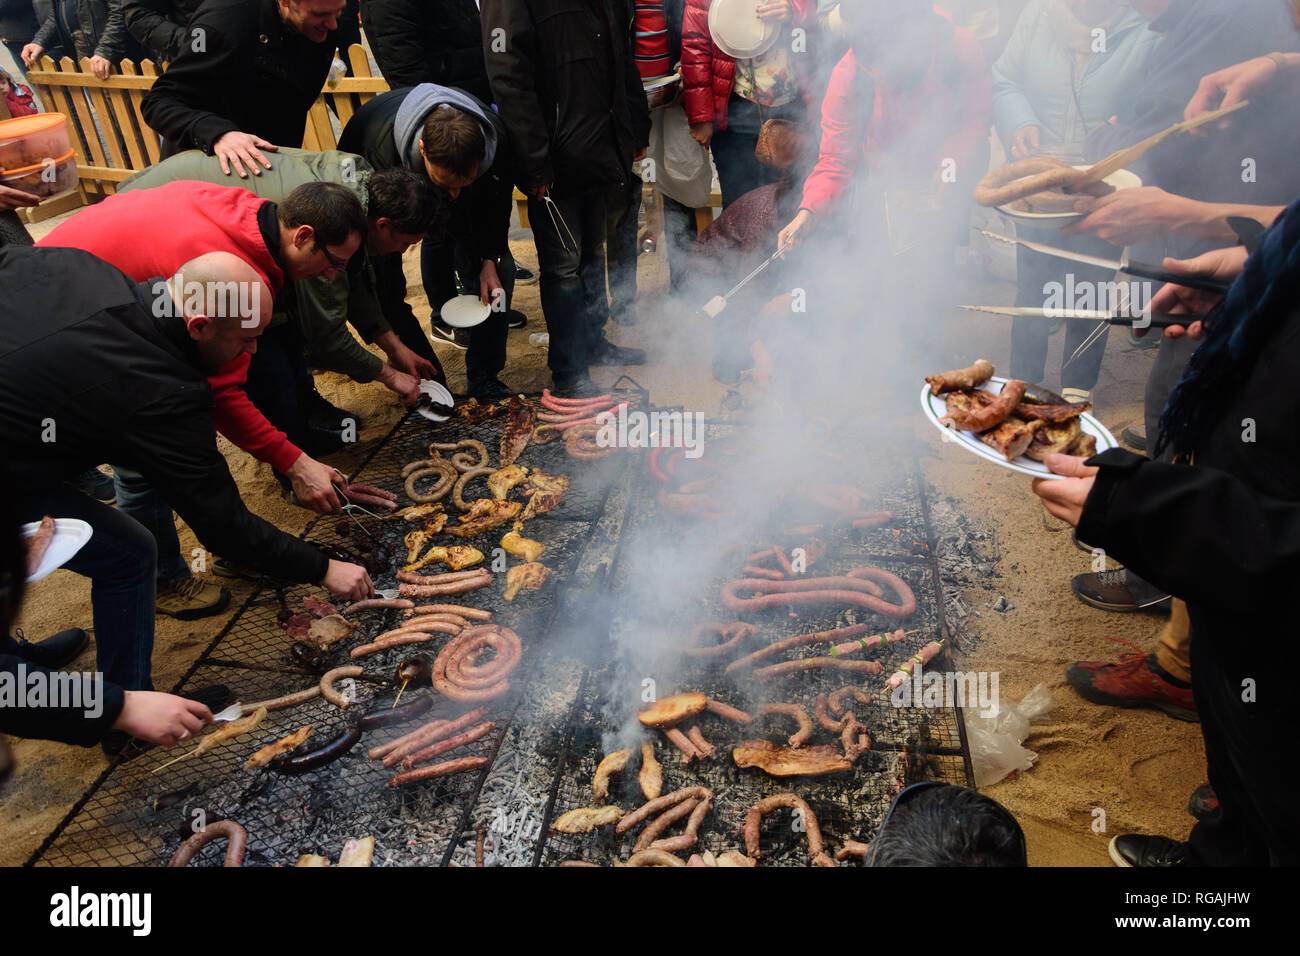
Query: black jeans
[(120, 560), (739, 170), (680, 233), (279, 380), (621, 250), (440, 265), (572, 280)]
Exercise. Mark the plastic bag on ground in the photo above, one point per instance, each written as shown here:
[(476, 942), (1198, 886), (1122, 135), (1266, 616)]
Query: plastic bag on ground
[(996, 743)]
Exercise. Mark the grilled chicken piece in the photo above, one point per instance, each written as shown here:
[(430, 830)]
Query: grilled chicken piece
[(545, 492), (420, 538), (586, 819), (521, 417), (651, 776), (484, 515), (281, 746), (1012, 437), (670, 711), (611, 765), (503, 479), (790, 762), (419, 512), (1054, 438), (457, 557), (531, 576), (476, 414), (1085, 446), (522, 547), (1052, 413)]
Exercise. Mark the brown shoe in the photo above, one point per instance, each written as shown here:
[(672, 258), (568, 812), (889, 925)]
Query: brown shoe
[(190, 599), (1119, 590)]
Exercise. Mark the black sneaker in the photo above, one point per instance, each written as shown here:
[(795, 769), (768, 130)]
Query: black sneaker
[(1133, 849), (318, 442), (1204, 802), (524, 276), (1135, 436), (516, 319), (321, 414), (607, 353), (98, 485), (446, 335), (54, 652), (1120, 590), (580, 386), (489, 390)]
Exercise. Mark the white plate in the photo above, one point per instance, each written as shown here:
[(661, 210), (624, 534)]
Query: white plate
[(70, 536), (1121, 179), (737, 30), (935, 408), (439, 394), (464, 312)]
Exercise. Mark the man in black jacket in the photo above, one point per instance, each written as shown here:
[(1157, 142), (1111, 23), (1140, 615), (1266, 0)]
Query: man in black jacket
[(461, 145), (564, 81), (117, 370), (160, 25), (428, 41), (249, 84)]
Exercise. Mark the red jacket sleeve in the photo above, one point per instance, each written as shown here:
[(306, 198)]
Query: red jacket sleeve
[(239, 420), (697, 62), (843, 133), (976, 99)]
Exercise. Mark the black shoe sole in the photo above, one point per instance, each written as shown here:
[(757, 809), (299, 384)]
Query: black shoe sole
[(1158, 607), (1091, 694), (200, 613)]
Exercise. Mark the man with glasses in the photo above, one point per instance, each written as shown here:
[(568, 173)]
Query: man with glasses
[(152, 232)]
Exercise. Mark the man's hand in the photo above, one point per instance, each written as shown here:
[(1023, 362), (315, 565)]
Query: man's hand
[(797, 230), (639, 155), (1136, 215), (100, 67), (1025, 142), (161, 718), (489, 285), (11, 199), (406, 386), (702, 133), (311, 483), (1228, 87), (763, 364), (348, 581), (1223, 264), (1065, 498), (405, 359), (30, 54), (237, 149), (775, 10)]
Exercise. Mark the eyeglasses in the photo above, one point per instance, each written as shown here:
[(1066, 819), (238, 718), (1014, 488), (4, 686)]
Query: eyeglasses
[(335, 263)]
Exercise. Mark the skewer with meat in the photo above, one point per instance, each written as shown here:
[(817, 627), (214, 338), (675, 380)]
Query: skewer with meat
[(920, 659)]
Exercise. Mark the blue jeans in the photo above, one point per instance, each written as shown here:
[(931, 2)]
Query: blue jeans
[(572, 277), (138, 499), (120, 560)]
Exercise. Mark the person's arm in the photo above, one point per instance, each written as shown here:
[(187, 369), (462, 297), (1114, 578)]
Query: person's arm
[(1012, 110), (46, 33), (1233, 84), (112, 39), (147, 22), (844, 119), (1193, 531), (82, 726), (513, 75), (1136, 215), (173, 105), (395, 31), (236, 417), (323, 315), (697, 64)]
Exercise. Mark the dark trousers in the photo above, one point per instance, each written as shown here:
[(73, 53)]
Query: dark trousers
[(279, 380), (138, 499), (572, 277), (1034, 271), (390, 280), (441, 264), (739, 170), (1171, 361), (119, 559), (621, 250), (680, 233)]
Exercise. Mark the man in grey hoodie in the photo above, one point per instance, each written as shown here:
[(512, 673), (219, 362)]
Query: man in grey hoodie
[(461, 145)]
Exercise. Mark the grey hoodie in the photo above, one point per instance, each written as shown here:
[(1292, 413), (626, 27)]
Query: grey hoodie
[(421, 101)]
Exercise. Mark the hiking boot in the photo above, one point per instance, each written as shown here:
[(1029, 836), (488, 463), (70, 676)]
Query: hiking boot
[(446, 335), (1204, 802), (1135, 680), (1133, 849), (607, 353), (190, 599), (97, 485), (54, 652), (1119, 590)]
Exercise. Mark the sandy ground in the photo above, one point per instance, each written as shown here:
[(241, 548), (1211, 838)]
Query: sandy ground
[(1138, 766)]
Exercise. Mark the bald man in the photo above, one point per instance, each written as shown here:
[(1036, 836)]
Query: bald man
[(118, 371)]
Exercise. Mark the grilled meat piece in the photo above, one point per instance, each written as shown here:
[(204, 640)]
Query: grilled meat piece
[(788, 762), (330, 629), (1054, 438), (586, 819), (281, 746), (484, 515), (420, 538), (503, 479), (1052, 413), (611, 765), (457, 557), (531, 576), (476, 414), (521, 417), (670, 711), (1011, 437), (522, 547), (544, 493)]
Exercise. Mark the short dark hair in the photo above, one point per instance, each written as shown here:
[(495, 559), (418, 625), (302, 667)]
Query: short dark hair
[(333, 212), (946, 825), (410, 201), (454, 140)]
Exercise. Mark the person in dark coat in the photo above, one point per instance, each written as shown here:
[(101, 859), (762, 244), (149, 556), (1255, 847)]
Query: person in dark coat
[(250, 87), (18, 24), (95, 30), (462, 147), (428, 41), (160, 25), (1218, 524), (571, 97)]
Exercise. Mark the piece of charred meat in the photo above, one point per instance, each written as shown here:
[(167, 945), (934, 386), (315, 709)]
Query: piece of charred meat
[(503, 479), (484, 515), (544, 493), (520, 419)]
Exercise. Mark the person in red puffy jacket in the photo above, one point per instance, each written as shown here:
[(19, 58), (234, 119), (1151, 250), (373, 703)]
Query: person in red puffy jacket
[(727, 100)]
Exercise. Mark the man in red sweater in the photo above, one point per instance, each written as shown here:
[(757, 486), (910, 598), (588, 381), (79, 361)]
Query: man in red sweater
[(152, 232)]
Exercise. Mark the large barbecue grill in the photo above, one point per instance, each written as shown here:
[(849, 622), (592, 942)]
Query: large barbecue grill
[(569, 700)]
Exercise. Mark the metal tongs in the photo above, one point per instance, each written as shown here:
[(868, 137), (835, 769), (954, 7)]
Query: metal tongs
[(557, 221), (719, 302)]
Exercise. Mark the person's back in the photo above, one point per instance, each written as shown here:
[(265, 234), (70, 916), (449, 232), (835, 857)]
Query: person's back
[(428, 41)]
